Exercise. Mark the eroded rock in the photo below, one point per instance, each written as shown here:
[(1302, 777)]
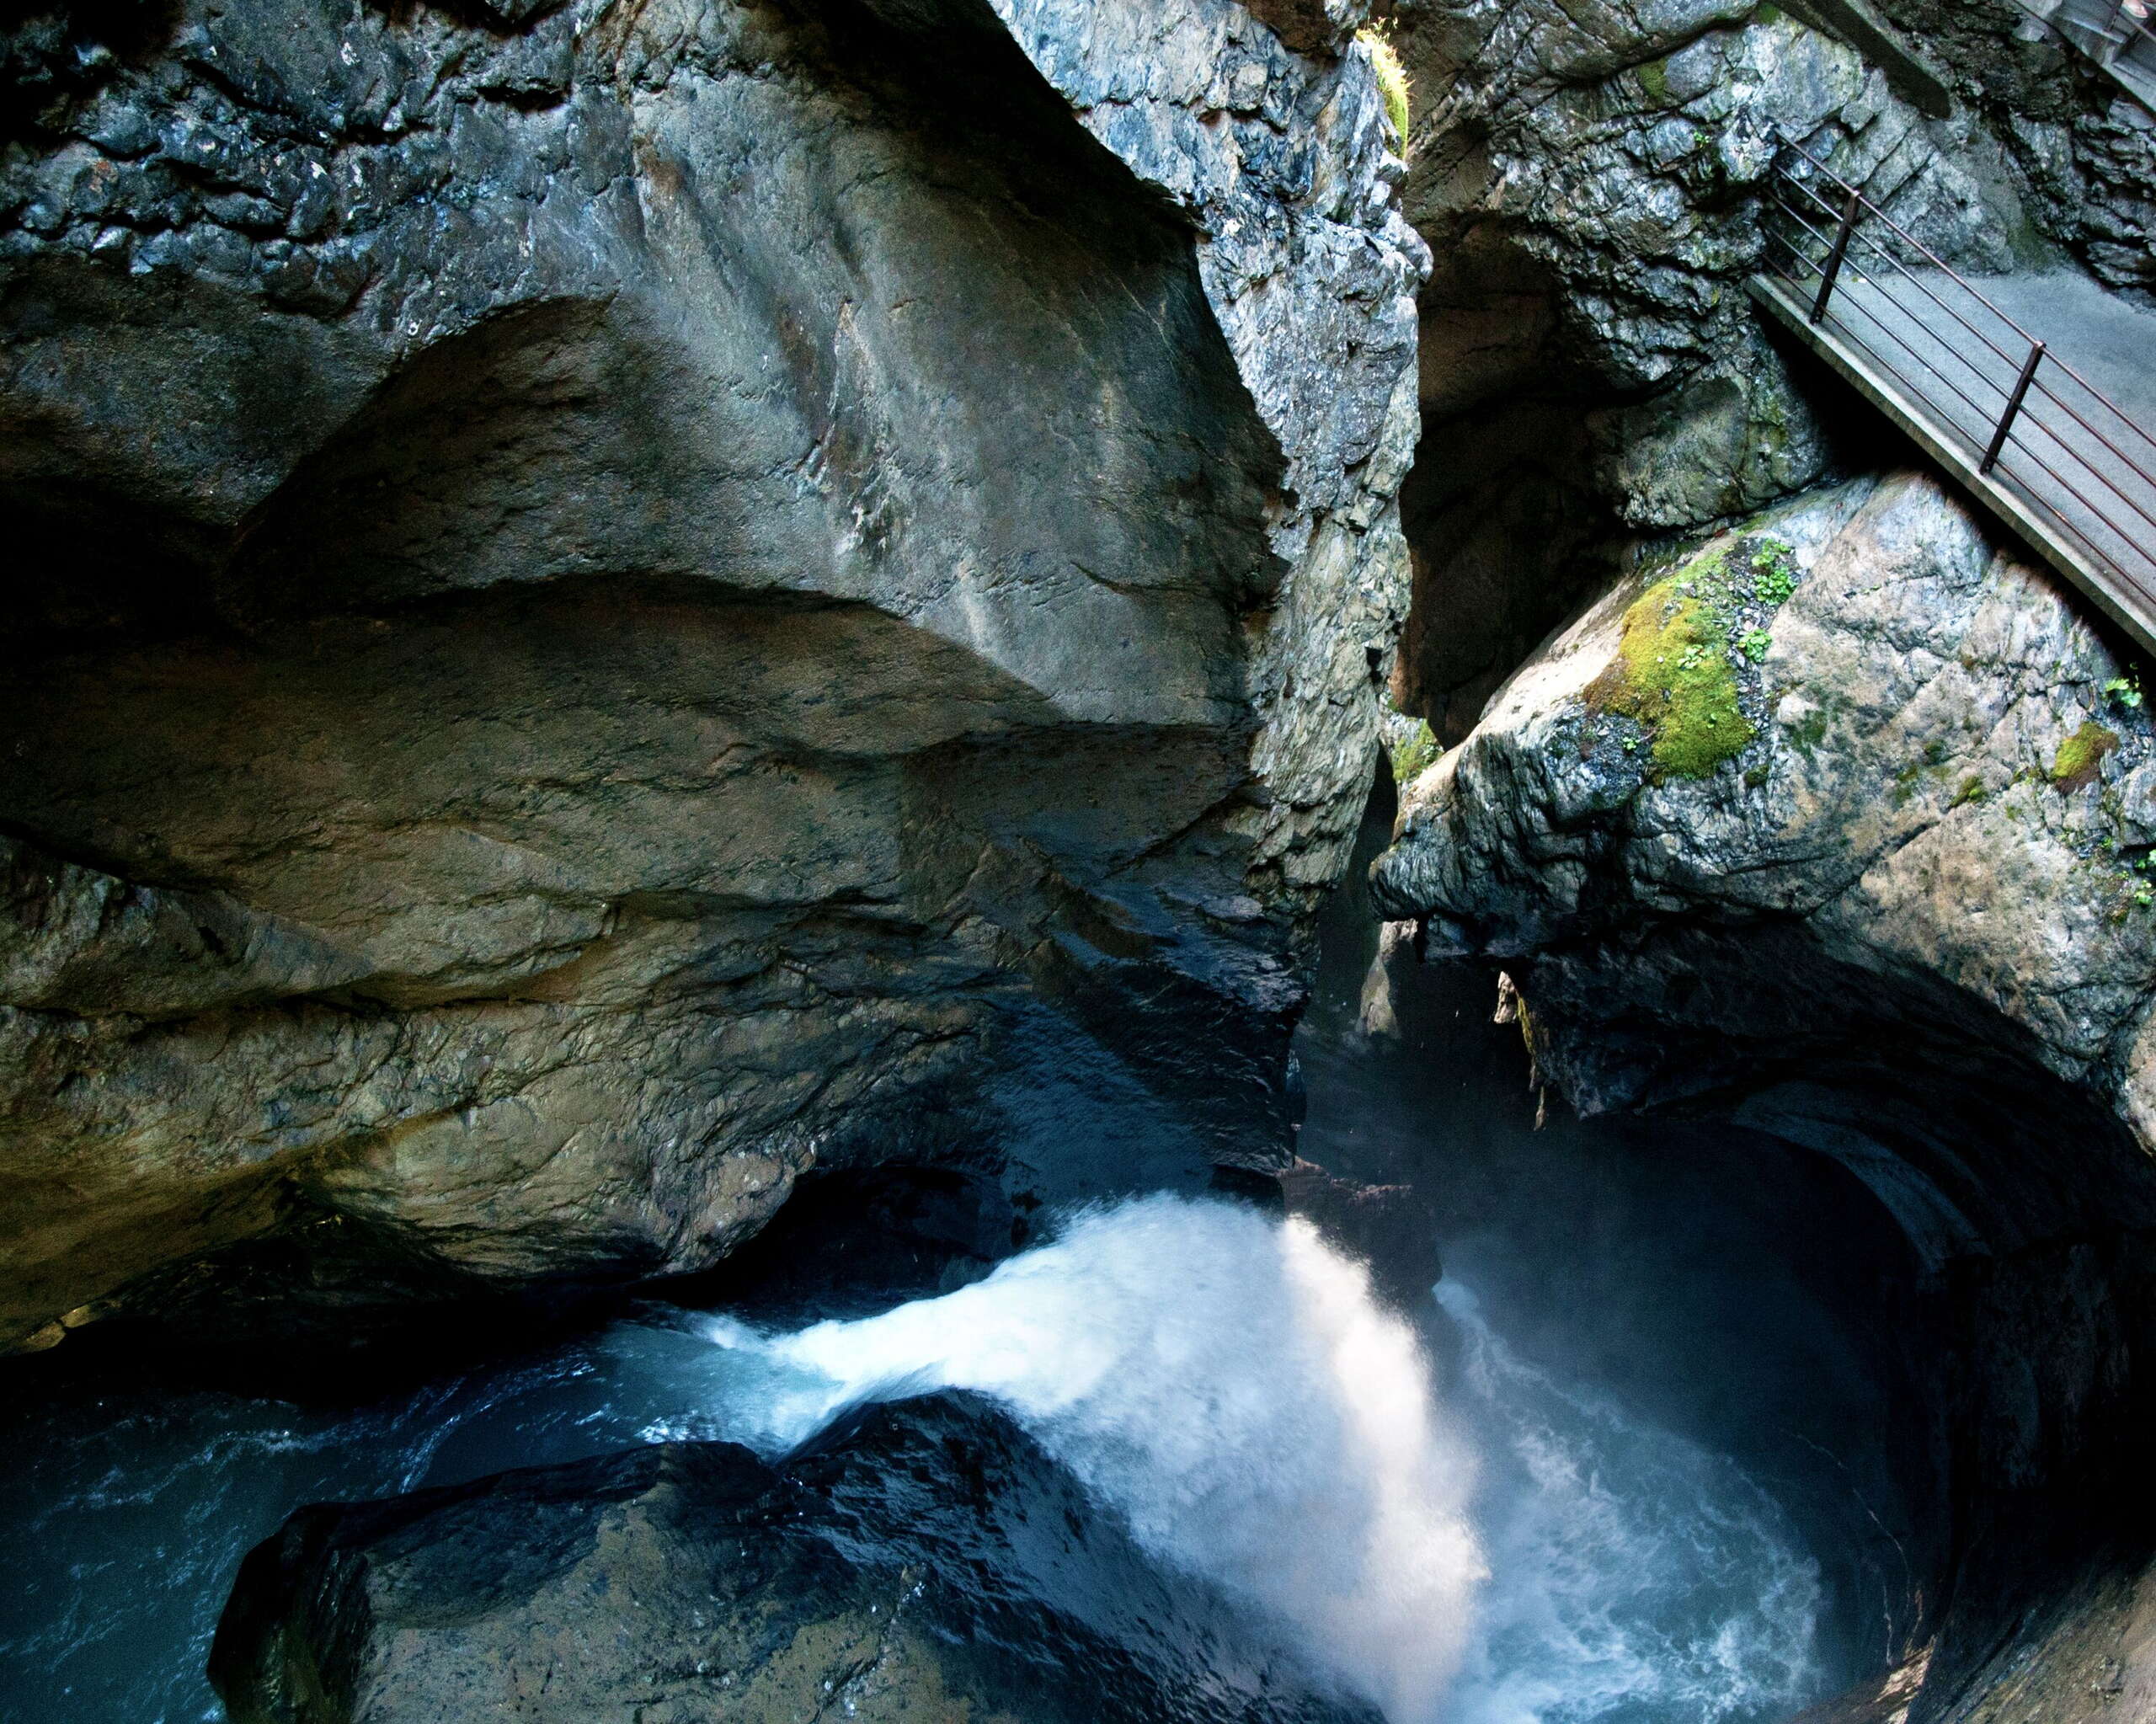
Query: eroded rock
[(1931, 794), (932, 1565), (633, 601), (1903, 919), (1595, 183)]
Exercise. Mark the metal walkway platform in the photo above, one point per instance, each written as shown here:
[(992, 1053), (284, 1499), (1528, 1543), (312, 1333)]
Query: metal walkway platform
[(2054, 446)]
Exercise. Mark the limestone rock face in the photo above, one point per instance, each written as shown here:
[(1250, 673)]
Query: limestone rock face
[(1937, 814), (629, 602), (932, 1566), (1592, 181)]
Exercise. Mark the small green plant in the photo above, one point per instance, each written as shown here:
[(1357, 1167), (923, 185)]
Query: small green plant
[(1773, 575), (1415, 754), (1672, 674), (1680, 649), (2124, 692), (1392, 79)]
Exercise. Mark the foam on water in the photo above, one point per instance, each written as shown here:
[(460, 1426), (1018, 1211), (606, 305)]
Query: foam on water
[(1504, 1549), (1638, 1578), (1228, 1384)]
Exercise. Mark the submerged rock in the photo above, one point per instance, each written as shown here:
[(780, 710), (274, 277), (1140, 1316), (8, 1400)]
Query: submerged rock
[(932, 1565), (634, 602)]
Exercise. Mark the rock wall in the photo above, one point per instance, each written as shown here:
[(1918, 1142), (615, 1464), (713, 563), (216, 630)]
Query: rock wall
[(1590, 180), (1787, 793), (1890, 902), (1937, 778), (630, 600)]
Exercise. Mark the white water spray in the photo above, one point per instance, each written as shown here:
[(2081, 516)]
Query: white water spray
[(1227, 1383), (1639, 1577)]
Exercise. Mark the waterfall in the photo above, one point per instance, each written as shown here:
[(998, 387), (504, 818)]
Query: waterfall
[(1637, 1577), (1226, 1382)]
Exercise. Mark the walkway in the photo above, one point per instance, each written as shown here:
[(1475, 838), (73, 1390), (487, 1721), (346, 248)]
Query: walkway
[(2075, 474), (2107, 33)]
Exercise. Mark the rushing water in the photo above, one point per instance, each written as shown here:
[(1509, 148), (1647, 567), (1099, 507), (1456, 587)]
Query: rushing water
[(1640, 1577), (1500, 1548)]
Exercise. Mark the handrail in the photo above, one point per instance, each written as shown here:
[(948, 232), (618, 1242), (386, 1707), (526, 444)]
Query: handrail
[(2036, 345), (1951, 275), (1902, 234), (2015, 426), (1935, 261)]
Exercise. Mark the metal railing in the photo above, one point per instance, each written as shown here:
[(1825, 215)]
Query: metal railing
[(2026, 417)]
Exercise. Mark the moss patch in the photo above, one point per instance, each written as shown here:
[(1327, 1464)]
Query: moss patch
[(1673, 674), (1392, 80), (2080, 757), (1414, 755)]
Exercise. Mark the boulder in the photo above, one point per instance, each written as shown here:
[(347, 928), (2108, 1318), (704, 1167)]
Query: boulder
[(930, 1566), (1901, 777)]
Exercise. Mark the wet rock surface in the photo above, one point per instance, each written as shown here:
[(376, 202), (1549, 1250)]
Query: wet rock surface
[(901, 1571), (1592, 183), (1937, 793), (571, 539), (1902, 922)]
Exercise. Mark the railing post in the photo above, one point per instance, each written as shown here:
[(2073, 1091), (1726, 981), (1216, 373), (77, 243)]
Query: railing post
[(2012, 407), (1834, 257)]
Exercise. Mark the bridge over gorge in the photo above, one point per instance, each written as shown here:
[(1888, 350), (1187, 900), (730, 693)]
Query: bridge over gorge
[(2032, 391)]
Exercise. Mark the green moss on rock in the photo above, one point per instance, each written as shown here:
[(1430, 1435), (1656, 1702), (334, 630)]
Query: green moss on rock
[(1673, 674), (2080, 757)]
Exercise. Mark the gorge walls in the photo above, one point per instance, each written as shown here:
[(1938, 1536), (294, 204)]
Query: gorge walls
[(624, 601), (1789, 791), (1589, 181)]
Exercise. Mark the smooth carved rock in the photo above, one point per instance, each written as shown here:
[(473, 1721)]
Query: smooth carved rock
[(633, 601), (903, 1575)]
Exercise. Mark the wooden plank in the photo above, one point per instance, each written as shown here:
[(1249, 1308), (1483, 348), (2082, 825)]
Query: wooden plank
[(2025, 518)]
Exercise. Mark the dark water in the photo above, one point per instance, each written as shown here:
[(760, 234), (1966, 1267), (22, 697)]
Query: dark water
[(1655, 1337)]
